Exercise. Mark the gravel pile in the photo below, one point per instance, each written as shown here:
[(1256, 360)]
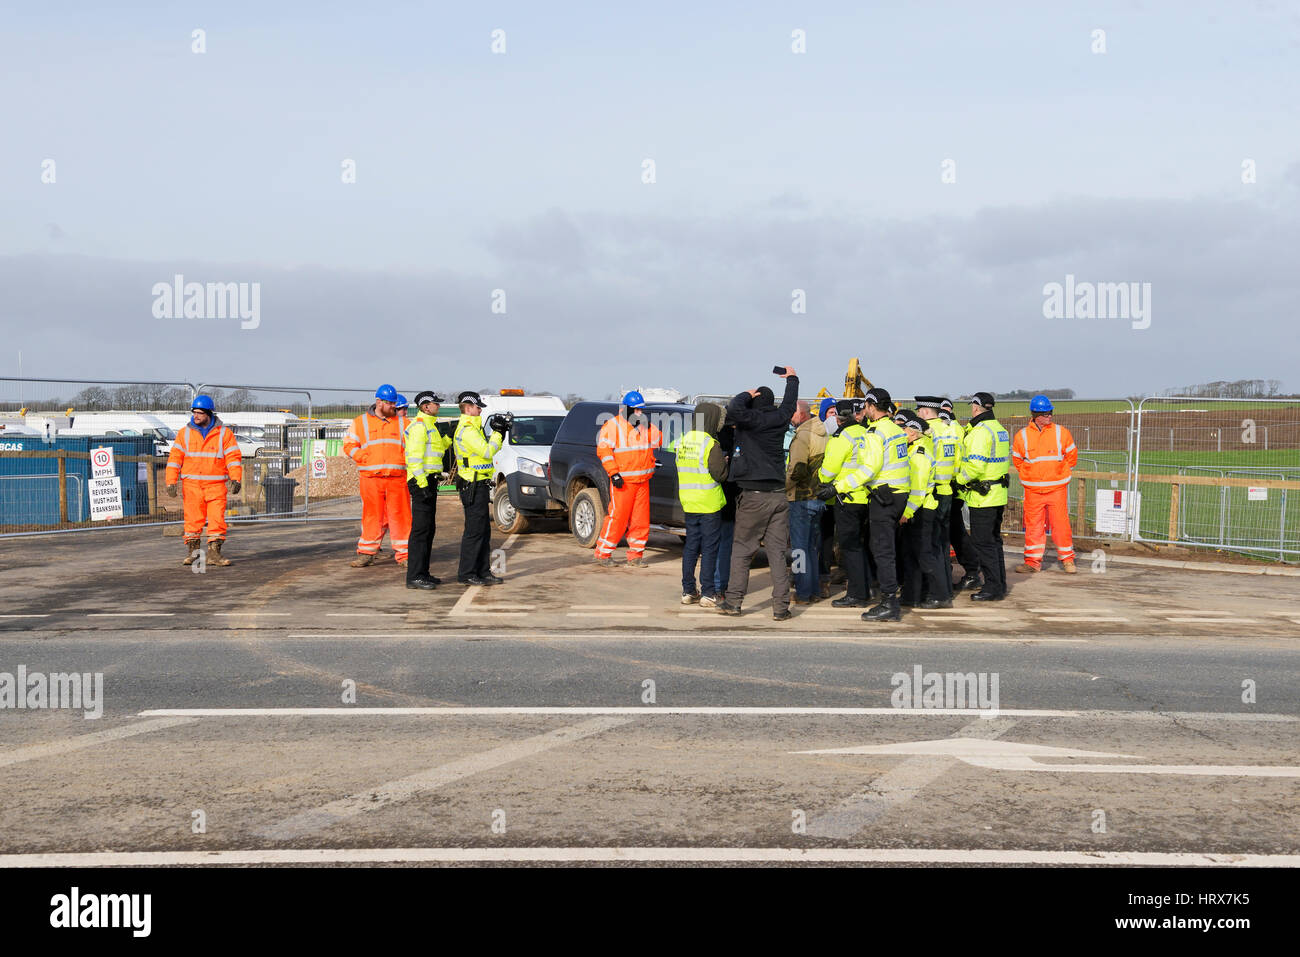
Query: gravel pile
[(340, 479)]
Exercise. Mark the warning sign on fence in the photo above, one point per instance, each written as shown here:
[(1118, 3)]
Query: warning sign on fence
[(318, 466), (101, 463), (105, 497), (1254, 494), (1117, 511)]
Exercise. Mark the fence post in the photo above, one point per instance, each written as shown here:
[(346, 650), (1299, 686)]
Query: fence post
[(1173, 511), (151, 482), (1081, 509), (63, 487)]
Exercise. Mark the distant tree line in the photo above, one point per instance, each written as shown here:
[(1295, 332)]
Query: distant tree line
[(1030, 393), (1237, 389)]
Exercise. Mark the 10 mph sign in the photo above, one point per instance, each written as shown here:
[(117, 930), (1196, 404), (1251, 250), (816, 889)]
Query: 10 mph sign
[(101, 463)]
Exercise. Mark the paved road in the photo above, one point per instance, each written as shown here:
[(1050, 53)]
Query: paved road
[(655, 730)]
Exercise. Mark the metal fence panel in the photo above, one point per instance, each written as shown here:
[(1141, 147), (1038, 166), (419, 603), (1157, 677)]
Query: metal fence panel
[(1239, 465)]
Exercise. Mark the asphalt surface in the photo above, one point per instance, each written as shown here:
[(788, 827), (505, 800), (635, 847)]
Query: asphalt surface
[(1176, 761)]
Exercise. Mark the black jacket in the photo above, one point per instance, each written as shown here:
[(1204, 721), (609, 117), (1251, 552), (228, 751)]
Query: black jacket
[(758, 460)]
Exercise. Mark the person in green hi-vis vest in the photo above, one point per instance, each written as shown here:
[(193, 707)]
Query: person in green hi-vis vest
[(701, 468)]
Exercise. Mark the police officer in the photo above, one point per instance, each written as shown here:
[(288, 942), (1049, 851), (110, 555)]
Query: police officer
[(945, 441), (845, 454), (982, 481), (888, 498), (474, 453), (921, 567), (425, 447)]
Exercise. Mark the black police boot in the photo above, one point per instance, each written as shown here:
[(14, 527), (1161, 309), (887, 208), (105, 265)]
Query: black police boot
[(968, 581), (887, 610), (847, 602), (932, 603), (984, 594)]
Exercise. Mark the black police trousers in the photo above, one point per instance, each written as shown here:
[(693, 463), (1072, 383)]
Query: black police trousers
[(942, 517), (476, 540), (885, 510), (423, 522), (921, 569), (851, 531), (986, 541)]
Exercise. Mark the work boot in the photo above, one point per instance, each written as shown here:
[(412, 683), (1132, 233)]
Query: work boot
[(214, 553), (967, 581), (887, 610), (1068, 567), (191, 547), (985, 595), (637, 562), (605, 562), (847, 602), (726, 609), (362, 560), (932, 603), (1025, 568), (783, 615)]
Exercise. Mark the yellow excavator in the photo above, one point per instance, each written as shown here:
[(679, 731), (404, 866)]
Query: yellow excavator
[(855, 383)]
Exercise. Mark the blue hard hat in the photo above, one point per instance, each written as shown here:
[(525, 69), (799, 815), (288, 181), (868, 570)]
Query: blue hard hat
[(401, 402), (386, 392), (634, 400), (822, 410), (203, 402), (1040, 403)]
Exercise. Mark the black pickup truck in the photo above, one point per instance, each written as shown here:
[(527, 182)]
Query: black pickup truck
[(580, 484)]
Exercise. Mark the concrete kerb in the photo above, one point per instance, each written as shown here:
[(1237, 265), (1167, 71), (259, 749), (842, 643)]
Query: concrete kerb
[(1284, 571)]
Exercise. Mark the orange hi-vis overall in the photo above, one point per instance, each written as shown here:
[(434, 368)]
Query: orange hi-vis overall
[(1044, 459), (628, 452), (202, 463), (376, 445)]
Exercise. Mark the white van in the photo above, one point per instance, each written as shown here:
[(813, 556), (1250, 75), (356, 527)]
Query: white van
[(521, 480)]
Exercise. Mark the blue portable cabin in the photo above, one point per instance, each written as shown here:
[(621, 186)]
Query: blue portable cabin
[(29, 487)]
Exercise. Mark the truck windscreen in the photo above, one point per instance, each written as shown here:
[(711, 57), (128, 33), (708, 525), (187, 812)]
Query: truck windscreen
[(535, 429)]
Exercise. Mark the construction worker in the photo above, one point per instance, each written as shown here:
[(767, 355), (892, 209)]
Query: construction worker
[(846, 452), (425, 449), (701, 469), (889, 483), (474, 454), (203, 456), (982, 481), (1044, 455), (922, 570), (374, 442), (945, 442), (626, 445)]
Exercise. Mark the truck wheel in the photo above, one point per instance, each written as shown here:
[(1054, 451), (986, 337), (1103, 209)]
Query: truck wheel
[(587, 517), (507, 518)]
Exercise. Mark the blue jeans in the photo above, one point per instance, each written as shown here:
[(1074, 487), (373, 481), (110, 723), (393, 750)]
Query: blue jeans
[(702, 531), (806, 535), (722, 574)]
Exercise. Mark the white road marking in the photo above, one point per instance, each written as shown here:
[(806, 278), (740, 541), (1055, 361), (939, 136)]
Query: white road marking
[(607, 614), (895, 633), (1082, 618), (510, 540), (265, 614), (695, 855), (51, 749), (762, 712), (24, 616), (1015, 756), (364, 614), (373, 799), (463, 608), (1070, 611), (603, 607), (896, 786), (1213, 621), (131, 614), (965, 618)]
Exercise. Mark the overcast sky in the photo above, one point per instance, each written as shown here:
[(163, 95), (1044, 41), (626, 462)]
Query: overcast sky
[(774, 171)]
